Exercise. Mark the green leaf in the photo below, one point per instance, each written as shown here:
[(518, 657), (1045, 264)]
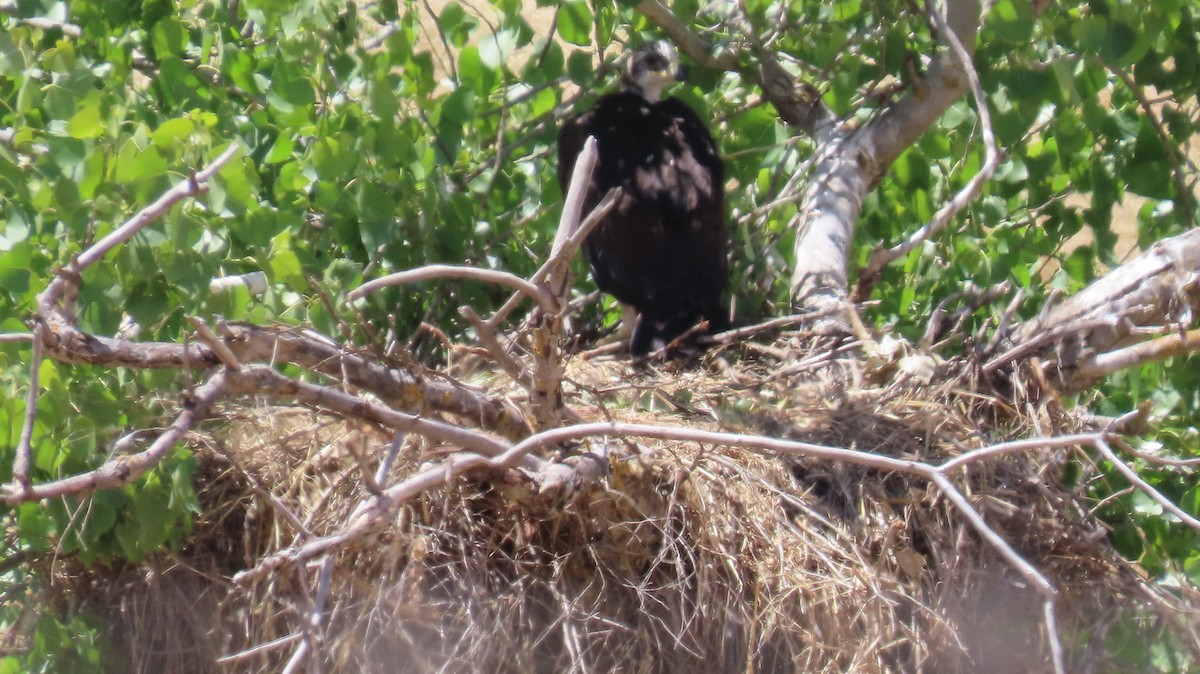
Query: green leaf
[(281, 150), (173, 132), (169, 37), (575, 23), (283, 265), (1012, 20), (579, 68), (86, 123), (134, 163), (1091, 33), (844, 10)]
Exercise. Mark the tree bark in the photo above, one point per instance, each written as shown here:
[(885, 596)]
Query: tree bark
[(850, 163), (1155, 295)]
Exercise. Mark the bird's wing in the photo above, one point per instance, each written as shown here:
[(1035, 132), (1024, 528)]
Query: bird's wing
[(698, 138), (571, 136)]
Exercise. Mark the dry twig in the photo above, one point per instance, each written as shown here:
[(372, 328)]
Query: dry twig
[(882, 257)]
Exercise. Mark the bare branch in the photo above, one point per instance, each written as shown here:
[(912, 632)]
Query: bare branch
[(572, 210), (441, 271), (410, 390), (1146, 488), (266, 380), (207, 336), (1150, 457), (1154, 292), (125, 469), (882, 257), (68, 29), (485, 332), (1103, 364), (194, 185), (20, 468)]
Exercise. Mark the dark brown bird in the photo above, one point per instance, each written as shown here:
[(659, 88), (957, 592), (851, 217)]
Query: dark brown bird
[(662, 248)]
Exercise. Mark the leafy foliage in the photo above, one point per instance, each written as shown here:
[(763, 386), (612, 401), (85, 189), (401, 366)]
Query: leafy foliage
[(377, 138)]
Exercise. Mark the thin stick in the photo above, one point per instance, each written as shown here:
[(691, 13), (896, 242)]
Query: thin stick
[(20, 468), (1104, 364), (125, 469), (1145, 487), (261, 648), (565, 241), (440, 271), (1147, 456), (1016, 447), (389, 459), (194, 185), (264, 379), (572, 212), (213, 342), (881, 258)]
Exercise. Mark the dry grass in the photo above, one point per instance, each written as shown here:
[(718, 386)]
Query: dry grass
[(689, 558)]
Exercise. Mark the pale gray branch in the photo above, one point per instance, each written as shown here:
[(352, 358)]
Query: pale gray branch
[(125, 469), (192, 186), (543, 298), (882, 257)]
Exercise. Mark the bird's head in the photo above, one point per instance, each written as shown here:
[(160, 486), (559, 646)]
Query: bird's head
[(651, 69)]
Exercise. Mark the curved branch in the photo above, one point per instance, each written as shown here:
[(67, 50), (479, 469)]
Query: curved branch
[(543, 298), (882, 257), (125, 469), (194, 185)]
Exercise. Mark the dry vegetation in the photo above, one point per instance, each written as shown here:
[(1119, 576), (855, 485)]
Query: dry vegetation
[(687, 557)]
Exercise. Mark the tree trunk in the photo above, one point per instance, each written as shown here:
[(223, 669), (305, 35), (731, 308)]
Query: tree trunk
[(849, 165)]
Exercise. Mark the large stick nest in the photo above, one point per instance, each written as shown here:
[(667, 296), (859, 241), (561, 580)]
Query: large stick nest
[(686, 558)]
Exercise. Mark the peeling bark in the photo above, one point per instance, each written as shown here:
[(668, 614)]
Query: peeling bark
[(1154, 294)]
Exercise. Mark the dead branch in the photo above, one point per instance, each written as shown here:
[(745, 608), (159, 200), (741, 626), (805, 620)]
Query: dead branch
[(545, 387), (20, 468), (124, 469), (417, 390), (68, 29), (883, 257), (266, 380), (1084, 337), (1101, 444), (1151, 457), (544, 299), (1103, 364)]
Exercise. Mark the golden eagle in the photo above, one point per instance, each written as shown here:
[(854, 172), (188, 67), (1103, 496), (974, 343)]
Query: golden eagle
[(662, 248)]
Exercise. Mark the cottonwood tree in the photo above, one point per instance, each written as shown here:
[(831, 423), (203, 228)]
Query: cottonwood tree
[(921, 172)]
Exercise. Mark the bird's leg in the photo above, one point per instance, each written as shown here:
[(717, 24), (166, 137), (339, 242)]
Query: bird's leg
[(629, 319), (643, 334)]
